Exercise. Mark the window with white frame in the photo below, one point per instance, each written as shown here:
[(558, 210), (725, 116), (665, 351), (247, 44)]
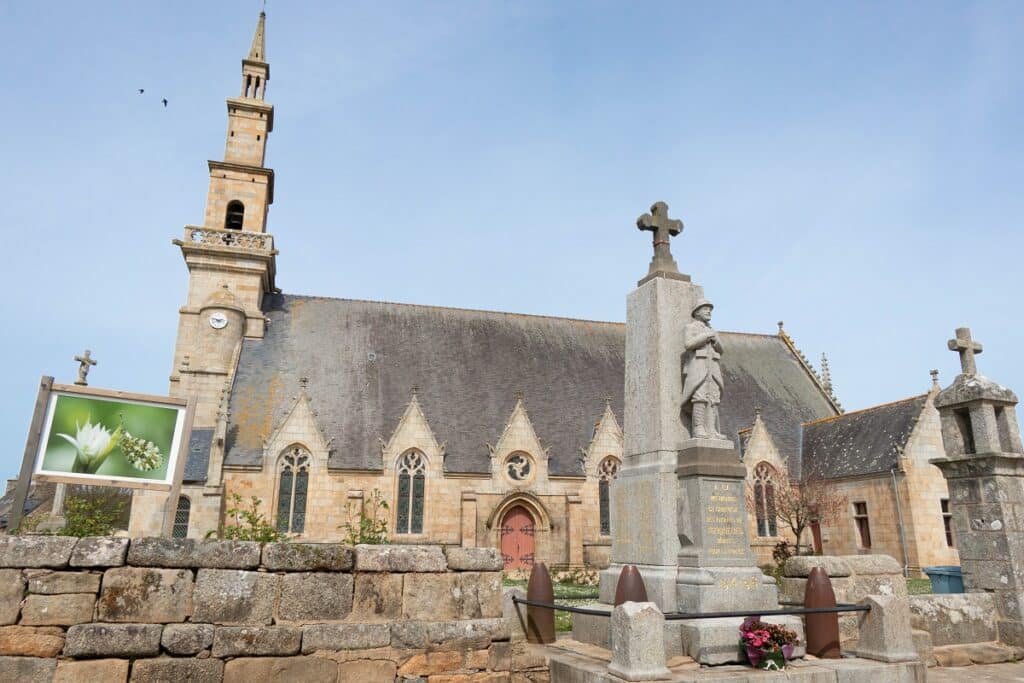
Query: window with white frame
[(765, 477), (412, 481), (293, 485), (607, 470)]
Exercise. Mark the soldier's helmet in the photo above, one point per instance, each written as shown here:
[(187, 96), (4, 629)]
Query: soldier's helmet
[(701, 303)]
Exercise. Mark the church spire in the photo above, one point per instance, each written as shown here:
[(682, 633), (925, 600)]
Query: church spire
[(255, 69), (258, 52)]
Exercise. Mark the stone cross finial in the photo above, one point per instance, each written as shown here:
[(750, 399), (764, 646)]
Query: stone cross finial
[(935, 377), (84, 362), (967, 348), (662, 227), (304, 383)]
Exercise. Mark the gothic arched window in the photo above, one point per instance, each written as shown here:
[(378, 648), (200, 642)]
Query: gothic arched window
[(235, 215), (412, 469), (291, 491), (181, 515), (606, 472), (765, 477)]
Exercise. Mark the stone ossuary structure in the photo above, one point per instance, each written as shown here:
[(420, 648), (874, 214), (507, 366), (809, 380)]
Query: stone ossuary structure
[(156, 609)]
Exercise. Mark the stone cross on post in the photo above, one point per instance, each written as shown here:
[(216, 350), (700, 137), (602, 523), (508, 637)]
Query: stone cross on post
[(967, 348), (662, 227), (84, 362)]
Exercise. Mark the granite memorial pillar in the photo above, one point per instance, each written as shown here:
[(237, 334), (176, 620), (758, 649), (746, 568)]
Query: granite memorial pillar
[(984, 469)]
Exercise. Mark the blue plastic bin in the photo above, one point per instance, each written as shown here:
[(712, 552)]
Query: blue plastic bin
[(945, 579)]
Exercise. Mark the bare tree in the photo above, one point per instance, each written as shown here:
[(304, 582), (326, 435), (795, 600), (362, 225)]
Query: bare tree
[(798, 504)]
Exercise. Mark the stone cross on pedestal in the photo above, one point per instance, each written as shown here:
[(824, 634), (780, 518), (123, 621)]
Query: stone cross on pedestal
[(967, 348), (662, 227), (84, 362)]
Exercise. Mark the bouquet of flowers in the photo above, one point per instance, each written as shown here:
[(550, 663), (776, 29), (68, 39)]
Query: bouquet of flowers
[(768, 646)]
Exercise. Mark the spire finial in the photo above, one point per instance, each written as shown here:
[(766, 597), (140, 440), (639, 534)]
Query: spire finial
[(826, 374), (258, 51), (935, 378), (781, 331)]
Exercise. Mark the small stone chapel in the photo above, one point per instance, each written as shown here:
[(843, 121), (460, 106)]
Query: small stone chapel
[(480, 428)]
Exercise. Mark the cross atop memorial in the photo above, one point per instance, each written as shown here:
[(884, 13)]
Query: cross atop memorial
[(662, 228), (967, 348), (84, 363)]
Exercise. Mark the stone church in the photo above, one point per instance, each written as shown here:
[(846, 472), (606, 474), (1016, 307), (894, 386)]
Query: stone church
[(477, 428)]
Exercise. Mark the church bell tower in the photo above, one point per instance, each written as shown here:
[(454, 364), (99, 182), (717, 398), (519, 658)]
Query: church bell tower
[(231, 256)]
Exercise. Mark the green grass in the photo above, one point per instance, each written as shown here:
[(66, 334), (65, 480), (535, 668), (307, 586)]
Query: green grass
[(919, 586), (571, 594)]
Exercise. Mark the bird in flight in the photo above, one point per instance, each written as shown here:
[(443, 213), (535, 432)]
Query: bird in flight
[(164, 100), (142, 90)]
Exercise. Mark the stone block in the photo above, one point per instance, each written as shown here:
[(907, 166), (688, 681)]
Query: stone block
[(801, 566), (864, 565), (36, 551), (305, 669), (950, 656), (480, 595), (27, 669), (260, 641), (638, 646), (161, 552), (187, 639), (923, 646), (377, 597), (793, 589), (230, 596), (307, 557), (99, 551), (25, 641), (46, 582), (884, 630), (315, 596), (12, 592), (854, 670), (344, 637), (58, 610), (955, 618), (430, 597), (176, 670), (429, 663), (716, 641), (113, 640), (370, 671), (399, 558), (143, 595), (988, 653), (474, 559), (92, 671), (190, 552), (467, 634), (515, 615)]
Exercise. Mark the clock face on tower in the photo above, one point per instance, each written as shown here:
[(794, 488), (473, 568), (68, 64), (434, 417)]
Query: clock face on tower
[(218, 321)]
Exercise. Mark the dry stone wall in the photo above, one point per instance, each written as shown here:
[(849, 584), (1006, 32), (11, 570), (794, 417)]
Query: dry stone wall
[(157, 609)]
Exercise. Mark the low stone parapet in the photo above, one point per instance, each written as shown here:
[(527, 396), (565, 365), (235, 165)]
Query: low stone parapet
[(181, 609)]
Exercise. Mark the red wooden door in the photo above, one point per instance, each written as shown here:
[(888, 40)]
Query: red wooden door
[(517, 539)]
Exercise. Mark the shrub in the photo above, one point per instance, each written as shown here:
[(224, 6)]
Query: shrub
[(371, 526), (250, 524)]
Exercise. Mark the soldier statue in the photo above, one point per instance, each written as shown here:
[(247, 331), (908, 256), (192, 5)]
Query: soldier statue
[(702, 374)]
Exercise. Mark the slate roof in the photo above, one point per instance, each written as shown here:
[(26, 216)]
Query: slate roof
[(362, 359), (39, 493), (198, 461), (863, 442)]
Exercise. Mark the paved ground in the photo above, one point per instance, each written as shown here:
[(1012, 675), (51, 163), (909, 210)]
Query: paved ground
[(994, 673)]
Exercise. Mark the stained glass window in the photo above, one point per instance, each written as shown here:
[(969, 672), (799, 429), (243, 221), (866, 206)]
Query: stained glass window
[(291, 491), (764, 500), (606, 473), (181, 514), (412, 469)]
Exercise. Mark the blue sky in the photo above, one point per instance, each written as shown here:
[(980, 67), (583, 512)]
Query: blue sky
[(854, 170)]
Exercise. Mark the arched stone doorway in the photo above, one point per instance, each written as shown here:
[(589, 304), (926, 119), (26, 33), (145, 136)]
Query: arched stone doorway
[(518, 538)]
